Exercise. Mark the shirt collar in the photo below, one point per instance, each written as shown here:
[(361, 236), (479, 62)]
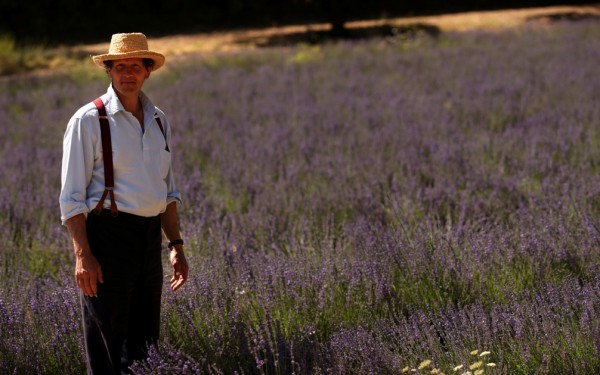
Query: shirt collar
[(114, 105)]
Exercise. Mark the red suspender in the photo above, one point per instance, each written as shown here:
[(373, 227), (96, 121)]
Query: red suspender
[(109, 180)]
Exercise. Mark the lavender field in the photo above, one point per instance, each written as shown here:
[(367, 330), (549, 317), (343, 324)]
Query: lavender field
[(351, 208)]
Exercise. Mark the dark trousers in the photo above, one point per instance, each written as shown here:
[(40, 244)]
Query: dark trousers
[(124, 318)]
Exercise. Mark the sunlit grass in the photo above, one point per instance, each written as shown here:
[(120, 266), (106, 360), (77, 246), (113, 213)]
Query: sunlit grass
[(16, 59)]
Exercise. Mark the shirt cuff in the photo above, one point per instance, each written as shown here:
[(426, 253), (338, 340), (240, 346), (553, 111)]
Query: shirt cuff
[(85, 211)]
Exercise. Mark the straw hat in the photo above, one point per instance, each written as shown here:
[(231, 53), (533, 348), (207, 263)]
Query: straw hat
[(129, 45)]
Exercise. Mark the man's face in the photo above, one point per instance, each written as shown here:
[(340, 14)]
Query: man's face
[(128, 75)]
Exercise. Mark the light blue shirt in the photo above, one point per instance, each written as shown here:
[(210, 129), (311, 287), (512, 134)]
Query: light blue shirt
[(144, 182)]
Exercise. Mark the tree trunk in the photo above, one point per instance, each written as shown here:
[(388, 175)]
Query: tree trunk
[(334, 10)]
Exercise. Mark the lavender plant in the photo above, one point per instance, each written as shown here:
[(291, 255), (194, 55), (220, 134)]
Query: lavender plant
[(355, 207)]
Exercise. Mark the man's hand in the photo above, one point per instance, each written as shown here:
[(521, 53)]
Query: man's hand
[(88, 273), (87, 268), (170, 225), (180, 267)]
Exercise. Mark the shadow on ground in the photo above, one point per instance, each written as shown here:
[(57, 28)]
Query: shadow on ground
[(565, 16), (355, 33)]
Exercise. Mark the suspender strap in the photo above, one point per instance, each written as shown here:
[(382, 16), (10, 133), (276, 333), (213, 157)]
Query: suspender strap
[(109, 180), (162, 131)]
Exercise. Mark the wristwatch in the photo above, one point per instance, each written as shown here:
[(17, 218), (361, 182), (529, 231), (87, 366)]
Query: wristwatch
[(172, 243)]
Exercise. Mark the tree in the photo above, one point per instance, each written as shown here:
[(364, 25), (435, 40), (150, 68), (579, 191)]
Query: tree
[(335, 12)]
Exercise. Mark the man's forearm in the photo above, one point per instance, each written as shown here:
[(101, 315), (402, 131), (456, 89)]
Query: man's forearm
[(88, 271), (170, 222), (78, 231)]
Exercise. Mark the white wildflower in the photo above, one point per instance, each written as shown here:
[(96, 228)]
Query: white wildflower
[(424, 364)]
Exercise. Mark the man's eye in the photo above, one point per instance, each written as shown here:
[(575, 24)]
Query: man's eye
[(122, 68)]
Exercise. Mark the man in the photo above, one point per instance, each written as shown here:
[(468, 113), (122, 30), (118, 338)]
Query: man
[(117, 192)]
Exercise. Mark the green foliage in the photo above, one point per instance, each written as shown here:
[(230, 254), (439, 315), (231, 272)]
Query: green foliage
[(15, 59), (8, 55)]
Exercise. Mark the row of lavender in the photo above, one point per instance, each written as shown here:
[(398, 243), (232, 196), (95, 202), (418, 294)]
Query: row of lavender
[(350, 208)]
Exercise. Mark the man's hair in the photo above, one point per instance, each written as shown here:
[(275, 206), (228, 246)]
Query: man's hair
[(148, 63)]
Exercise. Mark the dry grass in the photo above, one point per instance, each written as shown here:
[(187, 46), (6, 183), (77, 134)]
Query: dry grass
[(248, 39)]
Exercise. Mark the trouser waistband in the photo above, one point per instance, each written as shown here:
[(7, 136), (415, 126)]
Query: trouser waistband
[(127, 217)]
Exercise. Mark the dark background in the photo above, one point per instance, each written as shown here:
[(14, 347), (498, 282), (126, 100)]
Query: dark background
[(75, 21)]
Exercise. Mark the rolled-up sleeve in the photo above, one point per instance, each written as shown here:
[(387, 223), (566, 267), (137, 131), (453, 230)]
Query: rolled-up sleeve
[(77, 167), (173, 195)]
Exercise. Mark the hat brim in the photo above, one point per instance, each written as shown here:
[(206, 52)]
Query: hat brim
[(159, 59)]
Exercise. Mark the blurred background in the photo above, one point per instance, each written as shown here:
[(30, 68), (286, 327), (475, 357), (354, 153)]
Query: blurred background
[(63, 22)]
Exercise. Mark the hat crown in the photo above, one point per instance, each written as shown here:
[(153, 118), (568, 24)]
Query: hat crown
[(129, 45), (128, 42)]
